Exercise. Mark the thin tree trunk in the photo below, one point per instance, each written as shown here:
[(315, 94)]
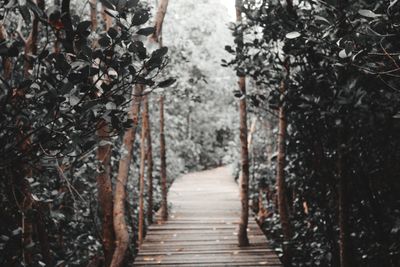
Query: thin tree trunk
[(43, 234), (156, 37), (93, 14), (164, 187), (343, 202), (105, 193), (280, 177), (149, 160), (161, 11), (141, 177), (244, 181), (68, 42), (343, 211), (31, 42), (120, 227), (27, 200), (104, 184)]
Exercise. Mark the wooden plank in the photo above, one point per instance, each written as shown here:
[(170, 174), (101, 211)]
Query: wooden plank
[(202, 230)]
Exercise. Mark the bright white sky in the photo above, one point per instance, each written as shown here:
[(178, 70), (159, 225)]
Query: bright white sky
[(230, 4)]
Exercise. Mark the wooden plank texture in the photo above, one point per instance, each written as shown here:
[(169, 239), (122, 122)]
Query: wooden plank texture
[(202, 227)]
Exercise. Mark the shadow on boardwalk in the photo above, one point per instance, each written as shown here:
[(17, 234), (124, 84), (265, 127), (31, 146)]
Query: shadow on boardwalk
[(202, 229)]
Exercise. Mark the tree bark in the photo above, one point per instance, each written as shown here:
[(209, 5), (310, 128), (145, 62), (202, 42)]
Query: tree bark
[(31, 42), (149, 160), (244, 181), (105, 193), (104, 184), (244, 177), (141, 180), (156, 37), (343, 202), (280, 176), (120, 227), (161, 11), (68, 41), (93, 14), (164, 187), (343, 210)]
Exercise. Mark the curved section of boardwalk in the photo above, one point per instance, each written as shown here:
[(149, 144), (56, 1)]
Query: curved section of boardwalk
[(202, 229)]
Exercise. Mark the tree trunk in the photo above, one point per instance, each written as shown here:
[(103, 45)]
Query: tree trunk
[(66, 20), (343, 211), (104, 184), (105, 193), (164, 187), (280, 178), (93, 14), (120, 227), (141, 178), (149, 160), (42, 233), (156, 37), (27, 200), (244, 177), (161, 11), (244, 181), (31, 42), (343, 202)]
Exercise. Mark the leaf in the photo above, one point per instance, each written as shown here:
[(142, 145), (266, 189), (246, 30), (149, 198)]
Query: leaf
[(368, 13), (319, 18), (293, 35), (166, 83), (139, 49), (146, 31), (104, 41), (26, 15), (229, 49), (113, 33), (112, 13), (107, 4), (43, 54), (83, 26), (132, 3), (343, 54), (35, 9), (392, 4), (140, 17), (111, 106), (160, 52), (17, 231)]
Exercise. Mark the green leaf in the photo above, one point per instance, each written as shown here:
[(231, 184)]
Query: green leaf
[(160, 52), (140, 17), (166, 83), (113, 33), (107, 4), (319, 18), (344, 54), (132, 3), (146, 31), (26, 15), (104, 41), (293, 35), (368, 13)]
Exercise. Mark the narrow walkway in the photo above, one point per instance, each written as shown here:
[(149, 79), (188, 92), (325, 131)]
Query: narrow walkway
[(202, 229)]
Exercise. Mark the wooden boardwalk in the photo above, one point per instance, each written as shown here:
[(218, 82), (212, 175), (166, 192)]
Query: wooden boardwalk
[(202, 229)]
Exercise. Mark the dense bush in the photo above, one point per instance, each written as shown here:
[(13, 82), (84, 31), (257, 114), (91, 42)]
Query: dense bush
[(339, 63)]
